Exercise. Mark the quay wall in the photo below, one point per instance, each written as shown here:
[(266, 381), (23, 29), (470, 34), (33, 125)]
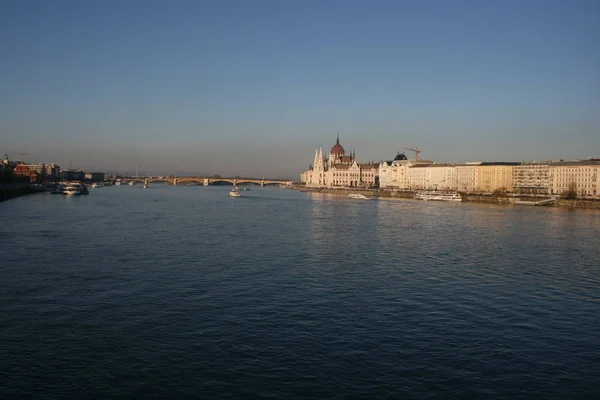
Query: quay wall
[(580, 203), (11, 191)]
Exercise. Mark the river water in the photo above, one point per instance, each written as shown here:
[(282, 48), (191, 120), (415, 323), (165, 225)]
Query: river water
[(185, 292)]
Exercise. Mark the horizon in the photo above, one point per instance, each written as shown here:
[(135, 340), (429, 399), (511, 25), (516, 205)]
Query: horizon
[(252, 89)]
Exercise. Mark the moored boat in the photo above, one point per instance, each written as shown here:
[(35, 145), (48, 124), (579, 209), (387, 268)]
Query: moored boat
[(438, 196), (358, 196), (75, 188)]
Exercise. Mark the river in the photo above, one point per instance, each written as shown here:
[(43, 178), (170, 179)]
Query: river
[(186, 292)]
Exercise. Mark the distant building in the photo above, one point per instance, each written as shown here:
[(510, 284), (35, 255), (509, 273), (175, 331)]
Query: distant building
[(73, 175), (582, 177), (94, 176), (466, 175), (441, 177), (531, 178), (339, 170), (23, 170), (493, 176), (51, 171)]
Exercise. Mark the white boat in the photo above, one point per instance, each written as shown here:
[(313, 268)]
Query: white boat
[(235, 193), (358, 196), (73, 188), (438, 196), (131, 183), (96, 185)]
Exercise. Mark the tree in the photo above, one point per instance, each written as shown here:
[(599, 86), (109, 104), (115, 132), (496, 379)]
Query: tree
[(571, 192)]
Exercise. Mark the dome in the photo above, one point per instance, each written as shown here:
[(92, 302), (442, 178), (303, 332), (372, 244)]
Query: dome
[(400, 156), (337, 148)]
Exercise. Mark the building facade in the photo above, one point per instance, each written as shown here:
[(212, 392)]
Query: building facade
[(494, 176), (531, 178), (466, 175), (50, 171), (580, 177), (394, 174), (339, 170)]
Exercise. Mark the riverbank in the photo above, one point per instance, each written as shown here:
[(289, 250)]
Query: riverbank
[(471, 198), (8, 192)]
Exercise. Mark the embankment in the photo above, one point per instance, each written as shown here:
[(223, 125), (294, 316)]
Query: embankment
[(487, 199), (8, 192)]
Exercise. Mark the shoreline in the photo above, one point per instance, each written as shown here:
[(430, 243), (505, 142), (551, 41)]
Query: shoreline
[(470, 198)]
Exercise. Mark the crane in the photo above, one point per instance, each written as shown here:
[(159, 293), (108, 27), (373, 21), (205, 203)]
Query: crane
[(22, 156), (416, 150)]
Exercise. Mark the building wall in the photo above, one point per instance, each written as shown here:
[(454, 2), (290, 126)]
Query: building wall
[(441, 177), (466, 176), (531, 178), (489, 178), (45, 170), (417, 177), (583, 177), (369, 175), (394, 175)]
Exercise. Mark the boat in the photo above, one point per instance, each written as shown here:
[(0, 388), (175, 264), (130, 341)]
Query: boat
[(96, 185), (74, 188), (131, 183), (358, 196), (438, 196), (235, 193)]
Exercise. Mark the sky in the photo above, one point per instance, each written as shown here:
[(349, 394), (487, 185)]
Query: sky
[(252, 88)]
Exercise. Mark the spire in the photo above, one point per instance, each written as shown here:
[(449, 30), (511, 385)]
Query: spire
[(337, 141)]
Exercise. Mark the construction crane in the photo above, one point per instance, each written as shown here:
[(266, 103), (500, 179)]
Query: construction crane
[(22, 156), (416, 150)]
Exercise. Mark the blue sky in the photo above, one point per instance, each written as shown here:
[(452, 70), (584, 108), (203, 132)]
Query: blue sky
[(253, 87)]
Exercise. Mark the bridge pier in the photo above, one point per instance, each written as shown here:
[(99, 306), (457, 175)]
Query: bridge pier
[(205, 182), (262, 183), (174, 181)]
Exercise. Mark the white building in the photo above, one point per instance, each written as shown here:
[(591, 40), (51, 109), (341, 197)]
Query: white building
[(394, 174), (582, 177), (441, 177), (466, 176), (339, 170)]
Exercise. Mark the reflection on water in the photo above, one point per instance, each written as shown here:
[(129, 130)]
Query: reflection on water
[(183, 291)]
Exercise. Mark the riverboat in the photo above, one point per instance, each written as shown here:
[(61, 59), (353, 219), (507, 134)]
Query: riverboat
[(234, 192), (75, 188), (438, 196), (358, 196)]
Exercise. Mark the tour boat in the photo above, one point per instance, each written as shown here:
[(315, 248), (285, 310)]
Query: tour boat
[(358, 196), (235, 193), (438, 196), (73, 188)]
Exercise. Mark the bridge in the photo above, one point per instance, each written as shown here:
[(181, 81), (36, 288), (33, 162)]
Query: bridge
[(205, 181)]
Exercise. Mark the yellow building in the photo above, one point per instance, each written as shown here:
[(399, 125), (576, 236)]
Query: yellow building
[(492, 176)]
